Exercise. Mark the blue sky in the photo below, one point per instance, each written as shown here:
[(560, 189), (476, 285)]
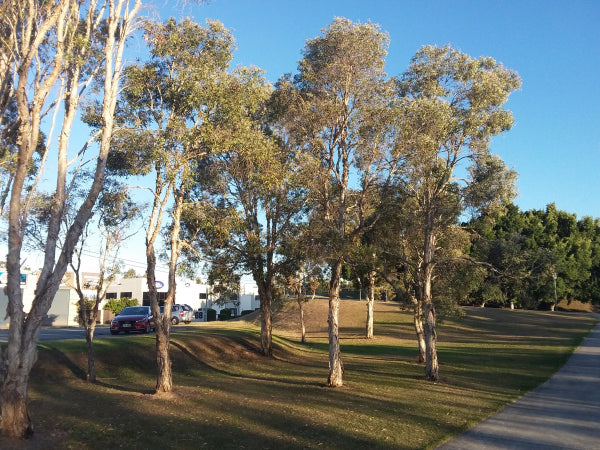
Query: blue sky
[(553, 45)]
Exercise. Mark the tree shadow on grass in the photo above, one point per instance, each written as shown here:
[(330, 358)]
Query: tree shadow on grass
[(64, 360)]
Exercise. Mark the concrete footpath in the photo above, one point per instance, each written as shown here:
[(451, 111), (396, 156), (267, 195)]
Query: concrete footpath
[(562, 413)]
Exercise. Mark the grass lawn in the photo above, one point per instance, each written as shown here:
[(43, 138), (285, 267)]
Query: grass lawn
[(226, 396)]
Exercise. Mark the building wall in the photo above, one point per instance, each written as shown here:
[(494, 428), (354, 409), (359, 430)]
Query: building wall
[(63, 312), (186, 291)]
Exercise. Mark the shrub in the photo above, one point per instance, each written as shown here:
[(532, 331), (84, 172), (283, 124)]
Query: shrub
[(247, 311), (225, 314), (211, 315), (116, 305)]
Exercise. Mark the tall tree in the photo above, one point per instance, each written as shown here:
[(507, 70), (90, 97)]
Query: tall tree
[(450, 107), (339, 119), (49, 47), (255, 200), (169, 112)]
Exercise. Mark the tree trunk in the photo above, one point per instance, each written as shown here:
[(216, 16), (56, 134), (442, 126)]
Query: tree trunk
[(162, 323), (15, 416), (302, 326), (336, 366), (16, 422), (370, 302), (89, 338), (89, 317), (431, 361), (266, 338), (164, 379), (418, 322), (369, 328)]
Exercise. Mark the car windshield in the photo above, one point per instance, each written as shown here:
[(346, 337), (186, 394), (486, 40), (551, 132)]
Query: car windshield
[(134, 310)]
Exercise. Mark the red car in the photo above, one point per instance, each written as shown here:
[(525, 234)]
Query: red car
[(133, 318)]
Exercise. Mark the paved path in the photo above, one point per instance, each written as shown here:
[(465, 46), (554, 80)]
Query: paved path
[(562, 413)]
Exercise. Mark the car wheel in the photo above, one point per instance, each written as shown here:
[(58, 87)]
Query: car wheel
[(114, 332), (174, 320)]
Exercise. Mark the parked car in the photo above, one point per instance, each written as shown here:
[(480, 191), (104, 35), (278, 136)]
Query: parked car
[(180, 314), (189, 313), (133, 318)]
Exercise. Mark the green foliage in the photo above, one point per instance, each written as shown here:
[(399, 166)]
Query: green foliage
[(131, 273), (116, 305), (529, 248), (225, 314)]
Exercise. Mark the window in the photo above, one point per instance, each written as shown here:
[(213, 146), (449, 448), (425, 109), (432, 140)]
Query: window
[(162, 296), (110, 295), (127, 294), (202, 296)]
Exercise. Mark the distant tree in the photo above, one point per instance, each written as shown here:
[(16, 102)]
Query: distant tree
[(534, 249), (131, 273), (295, 285)]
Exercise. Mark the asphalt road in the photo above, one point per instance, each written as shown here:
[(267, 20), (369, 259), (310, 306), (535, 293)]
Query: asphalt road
[(61, 333), (562, 413)]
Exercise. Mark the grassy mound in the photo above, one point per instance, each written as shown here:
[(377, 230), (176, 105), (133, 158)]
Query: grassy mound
[(226, 395)]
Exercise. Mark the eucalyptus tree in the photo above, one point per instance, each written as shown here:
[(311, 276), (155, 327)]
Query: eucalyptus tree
[(169, 112), (450, 106), (106, 233), (252, 198), (49, 52), (103, 234), (338, 116)]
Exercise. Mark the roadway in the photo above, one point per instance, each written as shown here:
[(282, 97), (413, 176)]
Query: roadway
[(62, 333)]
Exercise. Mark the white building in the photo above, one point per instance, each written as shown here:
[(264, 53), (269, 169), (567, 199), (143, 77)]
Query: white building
[(63, 311), (198, 296)]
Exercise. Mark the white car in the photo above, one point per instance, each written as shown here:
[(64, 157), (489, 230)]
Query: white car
[(180, 313)]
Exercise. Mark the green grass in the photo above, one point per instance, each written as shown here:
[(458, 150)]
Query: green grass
[(227, 396)]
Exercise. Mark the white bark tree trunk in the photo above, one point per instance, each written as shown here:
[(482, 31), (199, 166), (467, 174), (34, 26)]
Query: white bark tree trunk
[(370, 293), (38, 20), (336, 366), (302, 325), (418, 324)]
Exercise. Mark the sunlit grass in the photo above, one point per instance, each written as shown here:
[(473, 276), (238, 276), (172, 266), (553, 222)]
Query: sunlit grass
[(227, 396)]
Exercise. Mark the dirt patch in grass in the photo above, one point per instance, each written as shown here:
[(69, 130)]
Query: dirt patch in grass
[(576, 306)]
